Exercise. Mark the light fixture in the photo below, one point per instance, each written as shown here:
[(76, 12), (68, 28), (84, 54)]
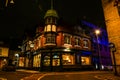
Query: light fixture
[(97, 31), (12, 2)]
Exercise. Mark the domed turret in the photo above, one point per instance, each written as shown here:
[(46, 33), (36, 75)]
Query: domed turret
[(50, 28), (51, 13)]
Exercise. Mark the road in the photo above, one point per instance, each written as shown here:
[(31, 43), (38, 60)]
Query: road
[(13, 75), (83, 75)]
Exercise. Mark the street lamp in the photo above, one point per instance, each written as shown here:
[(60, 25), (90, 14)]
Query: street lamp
[(97, 32), (7, 1), (113, 50)]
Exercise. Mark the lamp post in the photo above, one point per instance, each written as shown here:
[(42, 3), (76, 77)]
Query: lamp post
[(113, 50), (7, 1), (31, 54), (97, 32)]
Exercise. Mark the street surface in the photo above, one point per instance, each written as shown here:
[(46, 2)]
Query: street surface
[(80, 76), (35, 75), (13, 75)]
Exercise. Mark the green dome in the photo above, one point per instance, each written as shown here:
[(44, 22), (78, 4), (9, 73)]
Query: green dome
[(52, 13)]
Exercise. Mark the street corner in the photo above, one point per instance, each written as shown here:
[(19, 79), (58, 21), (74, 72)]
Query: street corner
[(101, 77)]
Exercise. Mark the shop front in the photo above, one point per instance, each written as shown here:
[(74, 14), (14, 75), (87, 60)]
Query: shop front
[(60, 60), (51, 62)]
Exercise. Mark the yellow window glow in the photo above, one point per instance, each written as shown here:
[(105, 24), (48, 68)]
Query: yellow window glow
[(48, 27), (54, 28)]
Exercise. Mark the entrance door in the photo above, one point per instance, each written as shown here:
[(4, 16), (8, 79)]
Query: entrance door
[(56, 62), (51, 62), (46, 62)]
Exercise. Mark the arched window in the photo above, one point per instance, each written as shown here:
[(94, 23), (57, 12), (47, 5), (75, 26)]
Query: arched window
[(77, 41), (67, 39), (46, 60), (85, 43)]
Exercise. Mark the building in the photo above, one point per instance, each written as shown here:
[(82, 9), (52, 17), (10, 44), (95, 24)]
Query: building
[(4, 51), (100, 45), (58, 47), (111, 9)]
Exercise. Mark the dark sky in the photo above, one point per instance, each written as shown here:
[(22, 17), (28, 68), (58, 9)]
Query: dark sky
[(24, 14)]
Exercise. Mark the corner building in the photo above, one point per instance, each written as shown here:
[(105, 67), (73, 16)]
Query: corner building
[(61, 47), (57, 47)]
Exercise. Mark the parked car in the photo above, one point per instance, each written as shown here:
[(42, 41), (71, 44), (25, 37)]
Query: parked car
[(9, 68), (108, 68)]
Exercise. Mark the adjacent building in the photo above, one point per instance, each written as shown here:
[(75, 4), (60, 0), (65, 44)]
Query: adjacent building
[(4, 51), (111, 9), (100, 45)]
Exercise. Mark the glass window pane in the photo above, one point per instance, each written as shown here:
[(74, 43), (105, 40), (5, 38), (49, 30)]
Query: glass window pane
[(48, 27), (56, 62), (85, 44), (46, 61), (85, 60), (67, 39), (68, 59), (54, 28)]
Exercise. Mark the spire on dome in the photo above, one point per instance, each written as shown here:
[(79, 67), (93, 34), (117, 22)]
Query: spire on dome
[(51, 4), (51, 12)]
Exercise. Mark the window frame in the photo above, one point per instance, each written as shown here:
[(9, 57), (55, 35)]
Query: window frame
[(78, 43), (67, 38), (85, 45)]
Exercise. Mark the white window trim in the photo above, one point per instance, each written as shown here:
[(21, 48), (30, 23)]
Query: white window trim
[(70, 38), (77, 44), (83, 43)]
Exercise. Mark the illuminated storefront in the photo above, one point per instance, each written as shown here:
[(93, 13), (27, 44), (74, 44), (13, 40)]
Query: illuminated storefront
[(57, 48), (36, 60), (21, 61)]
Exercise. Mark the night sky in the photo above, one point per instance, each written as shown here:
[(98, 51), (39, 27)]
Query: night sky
[(24, 14)]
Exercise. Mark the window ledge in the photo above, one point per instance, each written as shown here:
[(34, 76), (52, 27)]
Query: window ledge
[(49, 44)]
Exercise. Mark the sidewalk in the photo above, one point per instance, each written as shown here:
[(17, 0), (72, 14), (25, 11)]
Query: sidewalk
[(29, 71)]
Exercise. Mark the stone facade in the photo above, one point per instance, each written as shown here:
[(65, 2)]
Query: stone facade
[(112, 20)]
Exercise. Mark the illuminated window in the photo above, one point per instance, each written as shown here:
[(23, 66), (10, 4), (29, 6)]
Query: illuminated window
[(67, 39), (46, 61), (56, 60), (68, 59), (45, 29), (48, 28), (85, 44), (36, 60), (21, 61), (85, 60), (54, 28), (50, 38)]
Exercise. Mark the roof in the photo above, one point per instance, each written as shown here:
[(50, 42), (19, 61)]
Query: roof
[(52, 13)]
